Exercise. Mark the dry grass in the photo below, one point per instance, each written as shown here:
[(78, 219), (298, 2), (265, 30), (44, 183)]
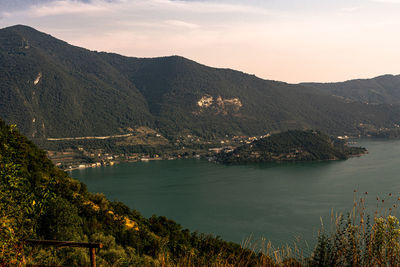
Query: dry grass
[(360, 239)]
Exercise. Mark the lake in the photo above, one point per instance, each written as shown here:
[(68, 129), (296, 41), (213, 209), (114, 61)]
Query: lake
[(279, 202)]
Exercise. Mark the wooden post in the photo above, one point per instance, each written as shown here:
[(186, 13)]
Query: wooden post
[(92, 246), (92, 252)]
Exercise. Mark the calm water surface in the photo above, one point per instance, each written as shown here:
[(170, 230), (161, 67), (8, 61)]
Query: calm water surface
[(277, 201)]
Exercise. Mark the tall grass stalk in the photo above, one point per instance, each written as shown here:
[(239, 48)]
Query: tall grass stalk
[(359, 240)]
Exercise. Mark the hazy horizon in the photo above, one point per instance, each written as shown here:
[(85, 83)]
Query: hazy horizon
[(290, 41)]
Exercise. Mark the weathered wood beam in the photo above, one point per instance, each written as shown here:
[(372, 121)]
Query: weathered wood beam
[(63, 243)]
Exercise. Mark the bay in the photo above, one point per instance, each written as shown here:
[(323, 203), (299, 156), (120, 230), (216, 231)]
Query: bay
[(279, 202)]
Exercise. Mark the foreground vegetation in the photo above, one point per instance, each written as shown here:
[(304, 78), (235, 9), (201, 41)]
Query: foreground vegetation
[(39, 201), (359, 240)]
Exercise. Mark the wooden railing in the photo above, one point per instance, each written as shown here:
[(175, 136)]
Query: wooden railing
[(92, 246)]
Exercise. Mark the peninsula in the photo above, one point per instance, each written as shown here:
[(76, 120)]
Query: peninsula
[(295, 145)]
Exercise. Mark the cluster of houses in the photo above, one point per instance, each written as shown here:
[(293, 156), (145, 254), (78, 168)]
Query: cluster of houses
[(71, 159), (80, 159)]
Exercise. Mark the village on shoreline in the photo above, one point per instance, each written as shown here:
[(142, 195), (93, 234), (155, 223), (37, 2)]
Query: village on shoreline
[(184, 148)]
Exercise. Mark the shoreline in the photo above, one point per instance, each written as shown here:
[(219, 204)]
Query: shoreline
[(79, 166)]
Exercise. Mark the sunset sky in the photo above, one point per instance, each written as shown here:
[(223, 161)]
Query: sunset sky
[(287, 40)]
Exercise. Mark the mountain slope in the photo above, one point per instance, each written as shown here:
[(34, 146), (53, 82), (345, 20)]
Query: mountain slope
[(380, 90), (52, 89), (174, 85)]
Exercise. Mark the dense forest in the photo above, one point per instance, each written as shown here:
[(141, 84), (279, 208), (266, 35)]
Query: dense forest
[(292, 145), (51, 89), (380, 90)]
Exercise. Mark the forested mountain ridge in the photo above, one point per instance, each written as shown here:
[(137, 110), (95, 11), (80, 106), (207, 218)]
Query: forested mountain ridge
[(51, 89), (384, 89)]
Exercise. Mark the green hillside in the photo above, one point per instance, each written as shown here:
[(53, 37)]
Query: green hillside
[(77, 93), (291, 146), (380, 90), (51, 89), (173, 85)]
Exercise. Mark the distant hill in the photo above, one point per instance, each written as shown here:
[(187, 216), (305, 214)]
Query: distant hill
[(380, 90), (291, 146), (51, 89)]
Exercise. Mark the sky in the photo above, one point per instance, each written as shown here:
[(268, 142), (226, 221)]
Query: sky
[(287, 40)]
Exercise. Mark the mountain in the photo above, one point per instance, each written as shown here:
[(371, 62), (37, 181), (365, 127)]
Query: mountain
[(380, 90), (237, 103), (51, 89)]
